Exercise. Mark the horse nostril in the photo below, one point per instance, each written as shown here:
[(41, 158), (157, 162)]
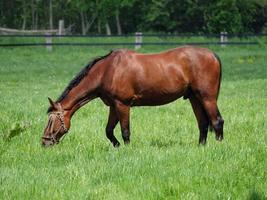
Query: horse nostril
[(43, 143), (46, 143)]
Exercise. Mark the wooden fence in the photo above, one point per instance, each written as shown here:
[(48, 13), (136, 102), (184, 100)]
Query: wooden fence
[(138, 39)]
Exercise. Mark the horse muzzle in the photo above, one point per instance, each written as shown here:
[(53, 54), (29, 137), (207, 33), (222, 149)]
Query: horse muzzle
[(48, 141)]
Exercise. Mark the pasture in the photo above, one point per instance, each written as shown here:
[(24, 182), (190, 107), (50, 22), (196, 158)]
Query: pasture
[(163, 160)]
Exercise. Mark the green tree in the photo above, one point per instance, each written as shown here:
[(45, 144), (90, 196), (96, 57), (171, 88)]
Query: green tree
[(157, 16), (187, 15), (87, 10), (128, 16), (223, 15), (253, 14)]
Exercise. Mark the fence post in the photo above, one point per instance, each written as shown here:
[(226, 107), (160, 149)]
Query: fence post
[(138, 40), (48, 41), (223, 38), (61, 30)]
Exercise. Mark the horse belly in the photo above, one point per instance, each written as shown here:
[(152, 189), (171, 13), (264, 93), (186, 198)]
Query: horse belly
[(155, 99), (159, 93)]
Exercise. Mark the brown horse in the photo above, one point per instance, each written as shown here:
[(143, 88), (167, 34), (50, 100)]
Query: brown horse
[(125, 78)]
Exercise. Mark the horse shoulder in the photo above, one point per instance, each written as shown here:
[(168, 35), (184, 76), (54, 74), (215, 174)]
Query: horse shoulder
[(118, 75)]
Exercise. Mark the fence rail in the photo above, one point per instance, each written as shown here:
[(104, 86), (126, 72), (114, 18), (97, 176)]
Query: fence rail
[(129, 44), (137, 42), (238, 35)]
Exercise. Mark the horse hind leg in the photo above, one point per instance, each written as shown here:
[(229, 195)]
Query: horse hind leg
[(215, 117), (202, 118)]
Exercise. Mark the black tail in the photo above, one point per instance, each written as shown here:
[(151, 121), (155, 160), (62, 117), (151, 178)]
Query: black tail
[(219, 60), (220, 78)]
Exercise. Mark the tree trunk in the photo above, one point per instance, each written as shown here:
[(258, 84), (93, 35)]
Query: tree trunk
[(108, 31), (82, 23), (24, 22), (51, 14), (33, 14), (36, 21), (24, 16), (86, 25), (118, 23), (89, 24), (99, 26)]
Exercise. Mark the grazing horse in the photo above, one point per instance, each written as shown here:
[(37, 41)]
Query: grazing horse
[(125, 78)]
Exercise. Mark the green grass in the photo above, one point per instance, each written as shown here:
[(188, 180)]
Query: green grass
[(163, 160)]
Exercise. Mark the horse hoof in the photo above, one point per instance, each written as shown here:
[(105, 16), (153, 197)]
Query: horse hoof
[(219, 137), (127, 142), (202, 143), (117, 145)]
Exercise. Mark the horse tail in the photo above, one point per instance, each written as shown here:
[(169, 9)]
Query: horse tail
[(220, 78)]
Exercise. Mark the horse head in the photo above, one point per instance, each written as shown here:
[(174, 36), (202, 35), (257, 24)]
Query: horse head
[(57, 126)]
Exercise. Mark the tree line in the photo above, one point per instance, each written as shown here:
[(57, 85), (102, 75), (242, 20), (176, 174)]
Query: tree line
[(128, 16)]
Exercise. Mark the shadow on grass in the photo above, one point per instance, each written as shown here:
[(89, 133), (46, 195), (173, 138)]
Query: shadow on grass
[(254, 195)]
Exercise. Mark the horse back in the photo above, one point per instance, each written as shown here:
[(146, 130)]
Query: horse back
[(155, 79)]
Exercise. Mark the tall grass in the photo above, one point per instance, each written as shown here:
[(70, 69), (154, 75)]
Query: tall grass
[(163, 160)]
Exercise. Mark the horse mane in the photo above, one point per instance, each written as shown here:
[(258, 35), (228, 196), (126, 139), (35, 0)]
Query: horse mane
[(78, 78)]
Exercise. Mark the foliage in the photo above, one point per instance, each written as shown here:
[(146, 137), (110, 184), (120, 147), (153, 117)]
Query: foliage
[(223, 16), (92, 16)]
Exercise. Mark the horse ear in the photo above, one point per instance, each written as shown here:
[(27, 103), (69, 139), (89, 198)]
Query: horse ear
[(52, 103)]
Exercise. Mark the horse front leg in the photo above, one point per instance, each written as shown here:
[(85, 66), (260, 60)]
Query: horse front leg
[(123, 112), (113, 120)]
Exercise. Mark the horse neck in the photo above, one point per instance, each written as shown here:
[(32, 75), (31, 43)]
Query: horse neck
[(84, 92)]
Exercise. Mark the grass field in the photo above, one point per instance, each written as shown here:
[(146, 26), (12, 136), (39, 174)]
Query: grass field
[(163, 160)]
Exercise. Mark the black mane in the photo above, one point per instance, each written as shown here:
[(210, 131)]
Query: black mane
[(78, 78)]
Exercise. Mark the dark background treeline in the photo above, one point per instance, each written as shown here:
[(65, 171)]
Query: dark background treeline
[(128, 16)]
